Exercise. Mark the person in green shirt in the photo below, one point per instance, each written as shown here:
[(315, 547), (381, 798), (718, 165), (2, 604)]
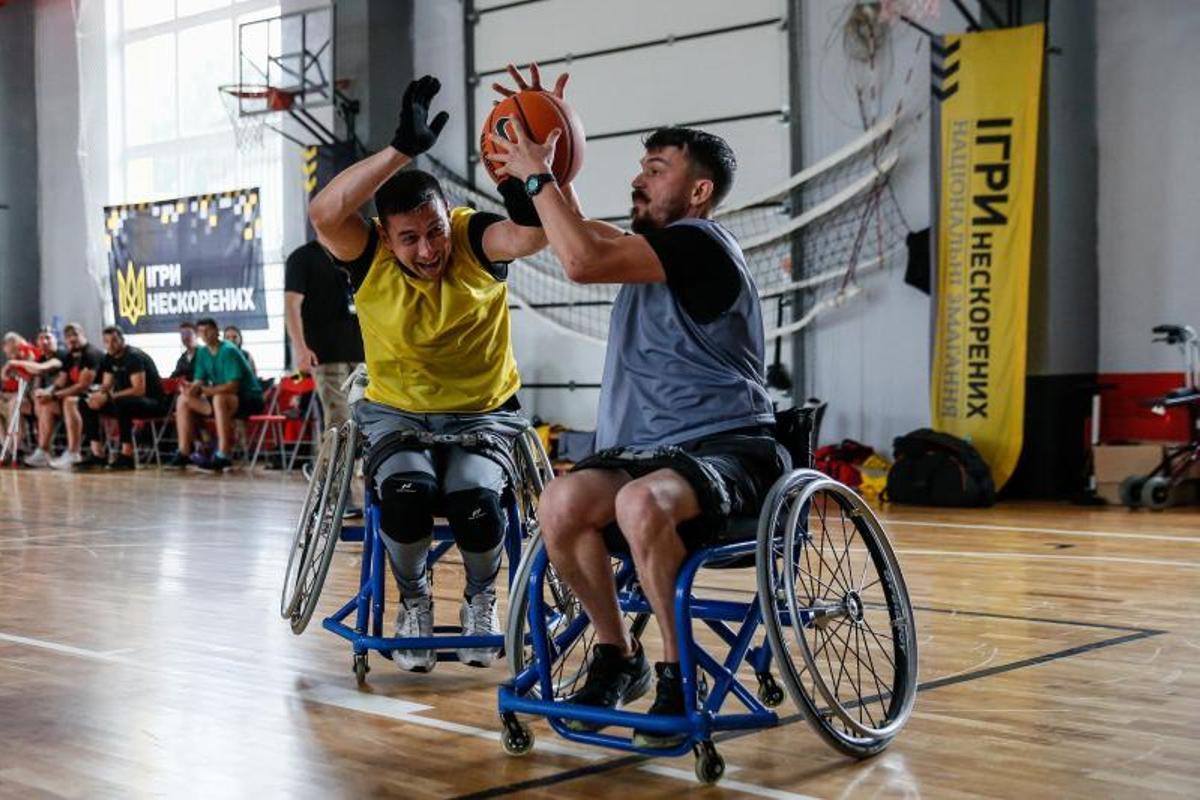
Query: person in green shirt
[(223, 387)]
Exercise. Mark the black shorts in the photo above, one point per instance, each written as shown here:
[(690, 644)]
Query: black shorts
[(730, 472)]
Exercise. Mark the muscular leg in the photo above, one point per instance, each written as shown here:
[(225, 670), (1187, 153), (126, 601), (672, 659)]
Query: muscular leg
[(648, 510), (46, 409), (225, 409), (74, 423), (572, 512), (185, 409)]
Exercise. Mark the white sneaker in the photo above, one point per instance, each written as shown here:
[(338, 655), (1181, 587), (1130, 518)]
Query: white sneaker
[(39, 458), (415, 618), (479, 618), (65, 461)]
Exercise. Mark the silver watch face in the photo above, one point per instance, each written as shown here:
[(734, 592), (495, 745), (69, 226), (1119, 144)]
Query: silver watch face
[(532, 184)]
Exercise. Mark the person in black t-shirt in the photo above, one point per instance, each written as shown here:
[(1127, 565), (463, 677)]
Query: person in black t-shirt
[(323, 326), (187, 359), (60, 397), (129, 389)]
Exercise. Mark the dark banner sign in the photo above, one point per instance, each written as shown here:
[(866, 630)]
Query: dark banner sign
[(177, 260)]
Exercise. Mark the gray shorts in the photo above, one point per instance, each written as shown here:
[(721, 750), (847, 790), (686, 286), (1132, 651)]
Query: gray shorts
[(454, 468)]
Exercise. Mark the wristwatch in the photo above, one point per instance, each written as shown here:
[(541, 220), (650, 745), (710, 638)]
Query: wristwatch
[(534, 183)]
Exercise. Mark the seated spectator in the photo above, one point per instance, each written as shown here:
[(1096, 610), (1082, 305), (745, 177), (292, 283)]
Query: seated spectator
[(224, 388), (186, 363), (129, 389), (28, 362), (234, 334), (60, 397)]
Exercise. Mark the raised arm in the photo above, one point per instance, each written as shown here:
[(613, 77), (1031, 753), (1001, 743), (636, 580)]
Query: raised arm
[(334, 211), (590, 251)]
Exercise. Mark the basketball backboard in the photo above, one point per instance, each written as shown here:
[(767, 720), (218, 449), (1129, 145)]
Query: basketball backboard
[(294, 53)]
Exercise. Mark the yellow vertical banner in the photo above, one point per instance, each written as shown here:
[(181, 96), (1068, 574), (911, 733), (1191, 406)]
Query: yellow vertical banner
[(986, 91)]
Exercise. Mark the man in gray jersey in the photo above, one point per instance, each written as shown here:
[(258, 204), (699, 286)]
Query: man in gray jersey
[(684, 433)]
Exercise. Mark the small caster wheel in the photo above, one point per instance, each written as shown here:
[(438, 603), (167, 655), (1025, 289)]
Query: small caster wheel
[(769, 691), (517, 737), (1156, 493), (1130, 491), (709, 764), (361, 668)]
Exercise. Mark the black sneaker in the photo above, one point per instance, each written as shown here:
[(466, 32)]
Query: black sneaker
[(178, 461), (612, 681), (90, 461), (668, 701), (216, 464), (121, 463)]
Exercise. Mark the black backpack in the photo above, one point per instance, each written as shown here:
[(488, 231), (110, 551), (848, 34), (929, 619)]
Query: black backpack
[(937, 469)]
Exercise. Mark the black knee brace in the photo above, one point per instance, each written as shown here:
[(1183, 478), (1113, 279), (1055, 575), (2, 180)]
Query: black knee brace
[(477, 518), (406, 502)]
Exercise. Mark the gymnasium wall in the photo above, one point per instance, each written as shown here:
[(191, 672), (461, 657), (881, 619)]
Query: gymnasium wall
[(19, 260), (870, 358), (1148, 113), (67, 288)]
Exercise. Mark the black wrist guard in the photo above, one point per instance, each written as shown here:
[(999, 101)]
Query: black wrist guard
[(518, 204)]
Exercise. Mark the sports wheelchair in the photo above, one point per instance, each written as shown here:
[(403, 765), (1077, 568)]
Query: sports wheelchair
[(320, 527), (839, 629)]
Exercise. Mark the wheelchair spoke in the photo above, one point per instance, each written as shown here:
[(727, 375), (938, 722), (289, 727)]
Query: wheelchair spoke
[(834, 575), (879, 688), (882, 646)]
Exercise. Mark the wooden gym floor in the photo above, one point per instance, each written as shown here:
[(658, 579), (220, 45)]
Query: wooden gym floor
[(142, 654)]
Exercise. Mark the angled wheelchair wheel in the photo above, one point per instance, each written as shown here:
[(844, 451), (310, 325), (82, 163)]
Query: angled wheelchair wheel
[(534, 472), (319, 529), (309, 513), (570, 632), (837, 612)]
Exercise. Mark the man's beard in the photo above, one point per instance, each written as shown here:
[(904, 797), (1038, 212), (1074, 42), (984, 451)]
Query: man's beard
[(644, 222)]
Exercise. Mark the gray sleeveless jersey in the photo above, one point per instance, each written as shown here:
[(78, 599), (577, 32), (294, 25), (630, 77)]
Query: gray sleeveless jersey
[(669, 380)]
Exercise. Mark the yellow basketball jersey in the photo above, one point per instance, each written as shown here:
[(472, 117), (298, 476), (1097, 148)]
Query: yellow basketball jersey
[(439, 346)]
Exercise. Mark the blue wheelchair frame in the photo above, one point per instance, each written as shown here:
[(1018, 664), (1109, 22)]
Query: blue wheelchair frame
[(368, 605), (699, 723)]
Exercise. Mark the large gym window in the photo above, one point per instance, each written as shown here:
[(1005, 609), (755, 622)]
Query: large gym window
[(169, 134)]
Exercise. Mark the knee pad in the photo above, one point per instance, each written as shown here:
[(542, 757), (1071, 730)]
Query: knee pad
[(406, 502), (477, 518)]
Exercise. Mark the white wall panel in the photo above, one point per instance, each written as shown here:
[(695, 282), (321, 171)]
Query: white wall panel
[(555, 28)]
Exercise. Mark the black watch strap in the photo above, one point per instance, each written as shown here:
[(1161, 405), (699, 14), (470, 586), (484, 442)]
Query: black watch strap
[(534, 183)]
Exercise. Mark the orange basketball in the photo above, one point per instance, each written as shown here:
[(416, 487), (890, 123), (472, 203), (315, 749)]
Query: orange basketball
[(539, 113)]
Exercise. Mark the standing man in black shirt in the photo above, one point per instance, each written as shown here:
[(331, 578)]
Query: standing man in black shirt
[(129, 389), (323, 326)]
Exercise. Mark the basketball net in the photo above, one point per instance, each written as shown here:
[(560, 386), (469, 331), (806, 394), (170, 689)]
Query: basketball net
[(252, 109)]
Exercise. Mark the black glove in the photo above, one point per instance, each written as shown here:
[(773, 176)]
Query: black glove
[(416, 133), (518, 203)]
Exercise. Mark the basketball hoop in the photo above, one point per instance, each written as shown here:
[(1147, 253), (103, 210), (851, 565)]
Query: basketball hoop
[(250, 107)]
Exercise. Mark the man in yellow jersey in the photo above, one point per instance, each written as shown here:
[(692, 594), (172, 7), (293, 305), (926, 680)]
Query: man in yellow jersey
[(429, 288)]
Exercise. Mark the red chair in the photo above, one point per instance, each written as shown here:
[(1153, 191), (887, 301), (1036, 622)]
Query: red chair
[(281, 398)]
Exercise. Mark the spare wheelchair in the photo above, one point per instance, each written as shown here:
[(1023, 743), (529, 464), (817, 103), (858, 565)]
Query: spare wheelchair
[(839, 629), (320, 528)]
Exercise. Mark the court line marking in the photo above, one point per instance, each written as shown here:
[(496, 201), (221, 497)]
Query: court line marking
[(936, 683), (41, 644), (1057, 531), (1048, 557)]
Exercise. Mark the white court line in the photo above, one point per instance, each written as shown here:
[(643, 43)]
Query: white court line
[(110, 656), (1059, 531), (1046, 557)]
